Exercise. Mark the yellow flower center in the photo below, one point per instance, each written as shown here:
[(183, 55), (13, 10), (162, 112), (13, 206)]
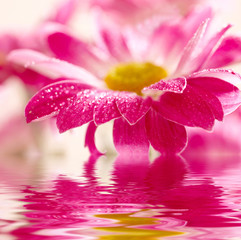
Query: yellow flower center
[(133, 77)]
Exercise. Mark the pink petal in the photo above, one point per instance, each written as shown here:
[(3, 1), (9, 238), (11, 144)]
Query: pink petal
[(4, 74), (176, 85), (211, 99), (172, 36), (9, 42), (32, 78), (210, 48), (163, 41), (132, 107), (123, 8), (50, 99), (191, 47), (224, 74), (113, 41), (229, 52), (194, 18), (106, 109), (228, 95), (51, 67), (88, 105), (64, 12), (90, 139), (191, 21), (130, 139), (74, 50), (165, 136), (191, 108), (47, 28), (79, 111)]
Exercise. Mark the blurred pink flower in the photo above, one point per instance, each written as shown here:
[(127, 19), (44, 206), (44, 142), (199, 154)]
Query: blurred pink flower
[(14, 40), (153, 85), (136, 11), (15, 136), (12, 134)]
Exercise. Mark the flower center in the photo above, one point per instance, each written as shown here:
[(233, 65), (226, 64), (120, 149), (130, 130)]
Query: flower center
[(133, 77)]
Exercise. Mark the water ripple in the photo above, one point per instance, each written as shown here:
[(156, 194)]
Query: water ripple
[(168, 197)]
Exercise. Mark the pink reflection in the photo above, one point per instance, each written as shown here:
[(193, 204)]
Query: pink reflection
[(179, 199), (17, 138), (217, 151)]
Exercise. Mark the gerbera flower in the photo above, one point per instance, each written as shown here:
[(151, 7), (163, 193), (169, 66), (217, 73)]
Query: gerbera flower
[(150, 86)]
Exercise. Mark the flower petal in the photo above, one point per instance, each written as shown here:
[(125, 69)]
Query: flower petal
[(66, 47), (130, 139), (106, 109), (112, 40), (226, 75), (75, 51), (165, 136), (210, 48), (64, 12), (51, 67), (9, 42), (79, 111), (229, 52), (191, 48), (4, 74), (176, 85), (90, 139), (228, 94), (164, 39), (33, 78), (213, 102), (50, 99), (132, 107), (191, 108)]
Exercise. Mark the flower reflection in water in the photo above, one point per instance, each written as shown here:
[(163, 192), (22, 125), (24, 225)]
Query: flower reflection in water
[(217, 151), (131, 227), (143, 198)]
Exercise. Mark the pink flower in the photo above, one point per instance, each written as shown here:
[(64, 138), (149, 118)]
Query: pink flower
[(153, 85), (13, 40), (136, 11)]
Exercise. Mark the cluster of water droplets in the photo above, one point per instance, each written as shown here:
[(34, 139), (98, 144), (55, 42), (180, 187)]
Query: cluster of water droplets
[(51, 99), (176, 85), (101, 107)]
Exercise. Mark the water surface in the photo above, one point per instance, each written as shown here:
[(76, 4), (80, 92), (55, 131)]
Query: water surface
[(120, 198)]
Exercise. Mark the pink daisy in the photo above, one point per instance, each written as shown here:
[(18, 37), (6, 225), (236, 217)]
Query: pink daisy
[(151, 86)]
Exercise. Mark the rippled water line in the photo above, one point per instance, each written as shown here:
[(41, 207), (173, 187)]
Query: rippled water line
[(163, 197), (11, 211), (131, 226), (86, 208)]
